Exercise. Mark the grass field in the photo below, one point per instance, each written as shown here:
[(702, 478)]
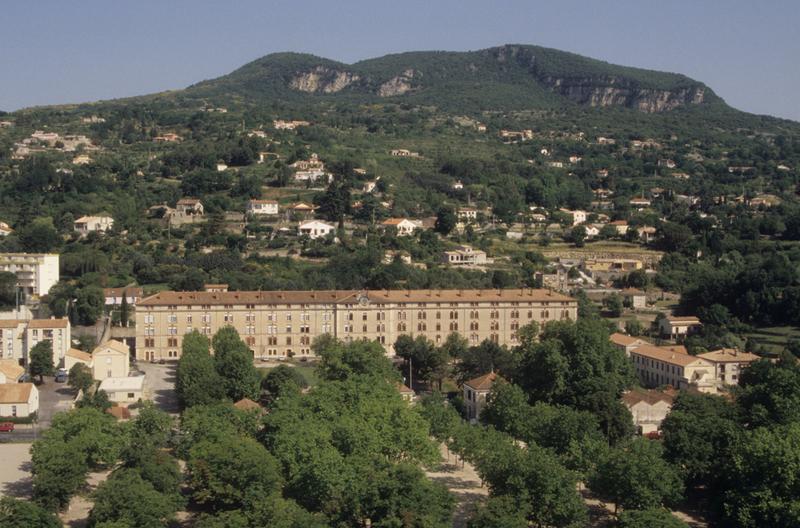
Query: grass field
[(774, 338)]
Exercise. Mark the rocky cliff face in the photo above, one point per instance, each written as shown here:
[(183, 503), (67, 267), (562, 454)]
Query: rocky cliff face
[(397, 85), (323, 80), (617, 92)]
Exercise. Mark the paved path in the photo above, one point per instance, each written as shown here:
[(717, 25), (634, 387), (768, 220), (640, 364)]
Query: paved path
[(77, 513), (463, 482)]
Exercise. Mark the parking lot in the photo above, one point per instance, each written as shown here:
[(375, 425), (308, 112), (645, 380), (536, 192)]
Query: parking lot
[(159, 385), (53, 398)]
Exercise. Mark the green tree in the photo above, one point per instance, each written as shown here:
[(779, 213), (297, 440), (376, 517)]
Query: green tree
[(653, 518), (40, 236), (635, 476), (59, 469), (445, 220), (230, 473), (578, 236), (698, 433), (41, 360), (614, 305), (763, 479), (340, 361), (80, 377), (234, 364), (89, 305), (8, 290), (634, 327), (283, 380), (770, 392), (15, 513), (124, 310), (500, 512), (126, 497), (196, 379), (486, 357)]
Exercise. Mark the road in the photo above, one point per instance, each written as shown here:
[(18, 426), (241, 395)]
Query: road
[(463, 482), (15, 470)]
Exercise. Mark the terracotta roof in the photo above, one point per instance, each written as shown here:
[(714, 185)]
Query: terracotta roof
[(395, 221), (650, 397), (686, 319), (10, 323), (11, 369), (729, 355), (15, 392), (484, 382), (79, 354), (188, 201), (112, 344), (625, 340), (120, 413), (669, 355), (168, 298), (130, 291), (302, 206), (48, 323), (246, 404)]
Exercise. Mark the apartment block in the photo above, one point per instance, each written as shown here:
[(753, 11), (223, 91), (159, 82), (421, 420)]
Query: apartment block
[(36, 272), (285, 323), (18, 337)]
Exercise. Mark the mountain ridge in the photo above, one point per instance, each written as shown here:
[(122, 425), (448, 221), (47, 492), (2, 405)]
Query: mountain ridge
[(537, 76)]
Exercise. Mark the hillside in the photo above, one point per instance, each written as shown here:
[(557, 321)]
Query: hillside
[(511, 77)]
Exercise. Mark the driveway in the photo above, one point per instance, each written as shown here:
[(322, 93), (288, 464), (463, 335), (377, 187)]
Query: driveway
[(159, 385), (53, 398)]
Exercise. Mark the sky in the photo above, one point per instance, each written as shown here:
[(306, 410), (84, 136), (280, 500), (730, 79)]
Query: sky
[(52, 51)]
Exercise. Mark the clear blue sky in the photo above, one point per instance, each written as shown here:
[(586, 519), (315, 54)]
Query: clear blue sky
[(52, 51)]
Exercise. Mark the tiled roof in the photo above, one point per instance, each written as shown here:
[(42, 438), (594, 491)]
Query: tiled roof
[(667, 355), (79, 354), (246, 404), (650, 397), (131, 291), (484, 382), (167, 298), (10, 323), (625, 340), (48, 323), (15, 392), (11, 369), (114, 345), (729, 355)]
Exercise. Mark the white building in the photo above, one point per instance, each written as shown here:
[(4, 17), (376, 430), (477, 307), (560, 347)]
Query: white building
[(36, 272), (404, 226), (88, 224), (262, 207), (57, 331), (464, 256), (578, 217), (315, 229), (18, 400), (123, 390)]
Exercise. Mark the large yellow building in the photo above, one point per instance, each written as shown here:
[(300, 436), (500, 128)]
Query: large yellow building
[(285, 323)]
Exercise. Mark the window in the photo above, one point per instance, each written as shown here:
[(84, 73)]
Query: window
[(172, 341), (108, 373), (289, 340), (131, 395)]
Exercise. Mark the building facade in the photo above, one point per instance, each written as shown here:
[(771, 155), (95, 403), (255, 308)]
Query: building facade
[(475, 392), (285, 323), (36, 272), (729, 364), (658, 366)]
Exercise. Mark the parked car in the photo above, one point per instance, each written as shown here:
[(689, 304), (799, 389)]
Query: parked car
[(61, 377), (6, 427)]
